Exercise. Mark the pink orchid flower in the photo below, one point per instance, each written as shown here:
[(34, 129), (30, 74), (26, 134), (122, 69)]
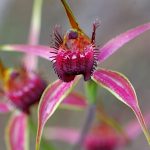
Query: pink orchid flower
[(22, 88), (104, 135), (74, 54)]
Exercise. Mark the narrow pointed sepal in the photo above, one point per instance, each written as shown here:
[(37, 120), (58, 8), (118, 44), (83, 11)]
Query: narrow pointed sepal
[(17, 132), (39, 50), (114, 44), (50, 100), (70, 15), (120, 87)]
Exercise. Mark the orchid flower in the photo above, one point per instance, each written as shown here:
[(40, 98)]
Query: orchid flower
[(75, 53), (102, 136), (21, 89)]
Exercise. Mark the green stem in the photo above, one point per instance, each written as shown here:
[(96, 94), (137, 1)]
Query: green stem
[(86, 127), (91, 93)]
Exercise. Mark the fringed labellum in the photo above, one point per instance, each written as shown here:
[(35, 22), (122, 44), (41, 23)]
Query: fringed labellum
[(75, 54), (24, 89), (102, 137)]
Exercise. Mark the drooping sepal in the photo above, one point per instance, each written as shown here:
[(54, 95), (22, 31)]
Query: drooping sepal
[(50, 100), (17, 132), (120, 87)]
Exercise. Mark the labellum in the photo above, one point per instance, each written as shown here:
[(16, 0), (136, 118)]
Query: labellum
[(102, 137), (75, 54), (23, 88)]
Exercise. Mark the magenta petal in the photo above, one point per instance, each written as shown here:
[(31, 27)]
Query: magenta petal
[(120, 87), (39, 50), (68, 135), (5, 107), (16, 132), (113, 45), (74, 100), (50, 100)]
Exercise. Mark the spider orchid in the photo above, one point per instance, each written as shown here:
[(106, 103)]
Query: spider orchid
[(102, 136), (74, 54), (21, 89)]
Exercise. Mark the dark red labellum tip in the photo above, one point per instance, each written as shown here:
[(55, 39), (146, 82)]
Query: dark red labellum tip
[(24, 91), (102, 138)]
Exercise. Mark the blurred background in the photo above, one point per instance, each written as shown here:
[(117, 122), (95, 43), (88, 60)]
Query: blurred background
[(116, 16)]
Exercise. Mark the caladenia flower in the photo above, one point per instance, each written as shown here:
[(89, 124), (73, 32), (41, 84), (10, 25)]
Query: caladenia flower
[(101, 137), (74, 54), (104, 135), (21, 89)]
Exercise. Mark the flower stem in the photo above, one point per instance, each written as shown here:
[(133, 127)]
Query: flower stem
[(86, 127), (91, 93)]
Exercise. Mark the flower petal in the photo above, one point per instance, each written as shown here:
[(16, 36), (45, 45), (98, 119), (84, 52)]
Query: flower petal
[(16, 132), (50, 100), (74, 100), (113, 45), (5, 107), (68, 135), (30, 60), (35, 26), (120, 87), (39, 50)]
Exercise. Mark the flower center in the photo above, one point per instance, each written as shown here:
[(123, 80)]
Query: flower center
[(24, 89), (75, 55), (102, 137)]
